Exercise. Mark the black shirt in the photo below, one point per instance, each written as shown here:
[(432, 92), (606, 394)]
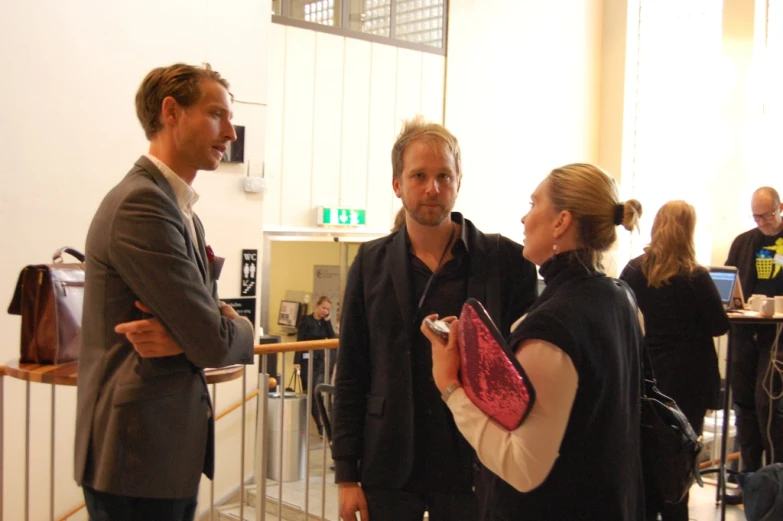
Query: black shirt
[(680, 319), (769, 275), (687, 307), (753, 253), (436, 438)]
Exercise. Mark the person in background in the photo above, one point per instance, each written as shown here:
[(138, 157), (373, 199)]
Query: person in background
[(392, 432), (152, 320), (759, 416), (682, 313), (577, 454), (315, 326)]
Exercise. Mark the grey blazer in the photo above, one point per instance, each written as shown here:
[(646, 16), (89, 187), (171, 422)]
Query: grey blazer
[(144, 427)]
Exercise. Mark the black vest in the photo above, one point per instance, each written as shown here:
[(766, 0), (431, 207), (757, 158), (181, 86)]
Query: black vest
[(598, 472)]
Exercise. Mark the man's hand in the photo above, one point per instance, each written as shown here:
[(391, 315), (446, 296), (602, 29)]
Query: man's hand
[(227, 311), (351, 499), (445, 355), (230, 313), (148, 336)]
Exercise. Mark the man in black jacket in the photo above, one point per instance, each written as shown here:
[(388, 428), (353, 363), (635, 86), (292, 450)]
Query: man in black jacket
[(753, 254), (392, 432)]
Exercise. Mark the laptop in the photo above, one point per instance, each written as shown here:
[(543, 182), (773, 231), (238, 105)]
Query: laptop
[(726, 279)]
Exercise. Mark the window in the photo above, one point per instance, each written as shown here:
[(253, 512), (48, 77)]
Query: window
[(318, 12), (769, 88), (677, 129), (420, 21), (415, 24), (374, 17)]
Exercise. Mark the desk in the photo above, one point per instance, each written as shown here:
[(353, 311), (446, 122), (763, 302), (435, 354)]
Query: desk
[(744, 319), (65, 374)]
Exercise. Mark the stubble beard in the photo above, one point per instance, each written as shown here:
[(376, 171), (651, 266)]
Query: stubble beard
[(422, 217)]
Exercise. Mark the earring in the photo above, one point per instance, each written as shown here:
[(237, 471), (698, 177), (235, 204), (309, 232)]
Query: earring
[(554, 250)]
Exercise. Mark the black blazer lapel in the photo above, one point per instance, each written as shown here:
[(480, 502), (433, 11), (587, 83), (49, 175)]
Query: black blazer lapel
[(399, 267)]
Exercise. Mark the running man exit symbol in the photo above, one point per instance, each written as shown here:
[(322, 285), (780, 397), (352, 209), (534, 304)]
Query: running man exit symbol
[(249, 272)]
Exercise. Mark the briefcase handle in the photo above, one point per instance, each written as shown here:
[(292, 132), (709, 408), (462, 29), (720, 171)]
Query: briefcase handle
[(57, 256)]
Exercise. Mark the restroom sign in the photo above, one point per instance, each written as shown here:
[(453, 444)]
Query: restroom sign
[(249, 272)]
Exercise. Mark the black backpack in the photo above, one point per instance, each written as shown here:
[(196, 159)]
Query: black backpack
[(670, 448)]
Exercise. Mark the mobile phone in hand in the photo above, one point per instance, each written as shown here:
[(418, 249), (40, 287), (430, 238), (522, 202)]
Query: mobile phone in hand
[(438, 327)]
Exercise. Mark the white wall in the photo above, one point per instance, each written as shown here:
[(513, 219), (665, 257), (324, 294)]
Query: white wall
[(532, 85), (695, 116), (69, 131), (522, 96), (335, 107)]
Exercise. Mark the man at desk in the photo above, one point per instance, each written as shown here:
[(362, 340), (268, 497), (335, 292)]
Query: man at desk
[(753, 253)]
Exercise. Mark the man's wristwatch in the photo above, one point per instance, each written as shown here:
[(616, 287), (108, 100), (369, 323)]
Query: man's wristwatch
[(449, 390)]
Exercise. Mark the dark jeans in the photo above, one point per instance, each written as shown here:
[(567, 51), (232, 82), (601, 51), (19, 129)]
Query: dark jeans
[(397, 505), (755, 432), (103, 506)]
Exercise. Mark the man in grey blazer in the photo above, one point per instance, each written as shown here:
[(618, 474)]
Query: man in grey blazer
[(152, 320)]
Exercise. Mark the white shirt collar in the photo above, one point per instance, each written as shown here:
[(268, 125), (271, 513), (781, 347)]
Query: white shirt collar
[(186, 196)]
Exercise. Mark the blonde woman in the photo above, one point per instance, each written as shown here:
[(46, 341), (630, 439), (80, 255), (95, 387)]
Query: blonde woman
[(682, 312), (315, 326), (576, 456)]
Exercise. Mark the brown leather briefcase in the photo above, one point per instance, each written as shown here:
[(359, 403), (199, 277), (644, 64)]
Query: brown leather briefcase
[(49, 298)]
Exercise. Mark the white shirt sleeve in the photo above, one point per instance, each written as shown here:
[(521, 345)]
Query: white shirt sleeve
[(524, 457)]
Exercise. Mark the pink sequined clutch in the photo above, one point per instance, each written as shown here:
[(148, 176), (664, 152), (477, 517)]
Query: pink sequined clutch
[(490, 373)]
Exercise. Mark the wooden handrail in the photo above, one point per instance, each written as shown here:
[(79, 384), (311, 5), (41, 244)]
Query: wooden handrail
[(231, 408), (71, 512), (710, 463), (293, 347)]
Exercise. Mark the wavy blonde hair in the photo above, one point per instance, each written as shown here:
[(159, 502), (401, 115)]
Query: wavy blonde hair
[(671, 250)]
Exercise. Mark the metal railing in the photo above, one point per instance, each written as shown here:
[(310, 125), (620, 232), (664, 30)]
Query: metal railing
[(262, 456), (261, 447)]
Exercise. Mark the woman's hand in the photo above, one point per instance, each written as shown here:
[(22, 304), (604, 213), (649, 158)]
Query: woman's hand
[(445, 356)]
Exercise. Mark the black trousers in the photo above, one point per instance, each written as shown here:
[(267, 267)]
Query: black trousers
[(102, 506), (758, 431), (398, 505)]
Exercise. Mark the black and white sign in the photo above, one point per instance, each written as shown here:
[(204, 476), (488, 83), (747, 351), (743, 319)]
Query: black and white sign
[(249, 272), (245, 307)]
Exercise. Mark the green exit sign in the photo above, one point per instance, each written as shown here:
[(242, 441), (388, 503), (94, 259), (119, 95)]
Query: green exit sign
[(336, 216)]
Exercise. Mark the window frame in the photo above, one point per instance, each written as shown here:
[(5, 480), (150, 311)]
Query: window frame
[(284, 18)]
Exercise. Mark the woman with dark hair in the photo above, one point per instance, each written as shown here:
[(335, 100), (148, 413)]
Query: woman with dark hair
[(315, 326), (576, 456), (682, 313)]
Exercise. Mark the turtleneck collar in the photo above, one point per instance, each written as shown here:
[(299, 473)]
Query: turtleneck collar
[(572, 263)]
